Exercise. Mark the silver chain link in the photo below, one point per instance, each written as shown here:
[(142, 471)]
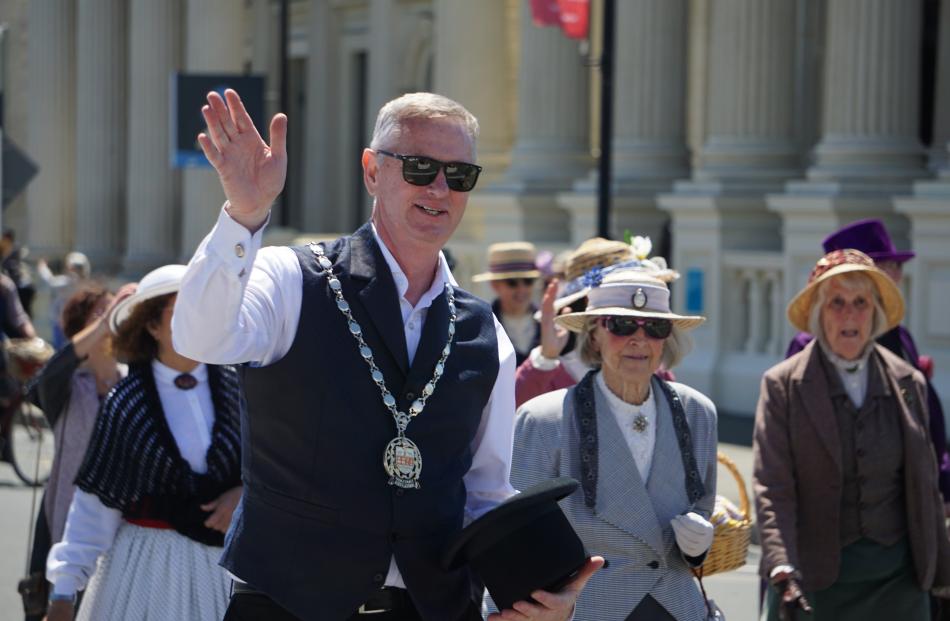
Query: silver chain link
[(402, 419)]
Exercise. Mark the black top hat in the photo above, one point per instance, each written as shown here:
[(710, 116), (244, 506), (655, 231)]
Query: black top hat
[(524, 544)]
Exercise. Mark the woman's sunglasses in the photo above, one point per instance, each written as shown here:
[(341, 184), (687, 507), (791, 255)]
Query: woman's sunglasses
[(628, 326), (515, 282), (421, 170)]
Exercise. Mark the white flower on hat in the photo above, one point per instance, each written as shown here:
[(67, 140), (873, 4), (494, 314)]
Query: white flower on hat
[(642, 246)]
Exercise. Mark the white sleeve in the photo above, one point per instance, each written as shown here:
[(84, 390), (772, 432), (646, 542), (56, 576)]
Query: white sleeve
[(487, 481), (90, 531), (238, 302)]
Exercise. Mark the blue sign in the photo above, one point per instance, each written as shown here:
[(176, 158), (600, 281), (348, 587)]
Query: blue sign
[(189, 94), (694, 291)]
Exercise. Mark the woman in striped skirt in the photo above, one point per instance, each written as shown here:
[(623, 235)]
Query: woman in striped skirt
[(159, 482)]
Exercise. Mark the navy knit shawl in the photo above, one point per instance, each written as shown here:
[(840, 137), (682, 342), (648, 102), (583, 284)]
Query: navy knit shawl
[(133, 463)]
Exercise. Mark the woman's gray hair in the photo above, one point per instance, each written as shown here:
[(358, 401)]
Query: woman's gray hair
[(675, 346), (389, 121), (854, 281)]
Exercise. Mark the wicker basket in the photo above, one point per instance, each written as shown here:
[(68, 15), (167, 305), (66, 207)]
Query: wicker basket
[(731, 539)]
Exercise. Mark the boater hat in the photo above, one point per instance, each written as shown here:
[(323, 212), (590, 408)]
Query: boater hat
[(870, 237), (629, 293), (522, 545), (843, 262), (164, 280), (510, 260)]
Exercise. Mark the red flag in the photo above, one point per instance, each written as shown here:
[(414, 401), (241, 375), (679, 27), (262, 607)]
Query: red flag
[(545, 12), (574, 17)]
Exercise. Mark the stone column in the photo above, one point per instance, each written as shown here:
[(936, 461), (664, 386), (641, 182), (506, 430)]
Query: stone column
[(323, 165), (649, 148), (748, 150), (552, 147), (383, 58), (751, 92), (552, 143), (101, 108), (941, 126), (152, 193), (214, 43), (869, 149), (472, 63), (871, 95), (52, 125)]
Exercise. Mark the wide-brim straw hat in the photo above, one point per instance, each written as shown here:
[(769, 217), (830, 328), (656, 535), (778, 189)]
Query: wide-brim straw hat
[(846, 262), (510, 260), (628, 293), (162, 281)]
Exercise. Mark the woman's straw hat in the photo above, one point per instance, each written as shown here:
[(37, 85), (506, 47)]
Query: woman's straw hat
[(629, 293), (844, 262), (510, 260)]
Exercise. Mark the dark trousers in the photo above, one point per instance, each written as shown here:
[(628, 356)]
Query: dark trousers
[(247, 606)]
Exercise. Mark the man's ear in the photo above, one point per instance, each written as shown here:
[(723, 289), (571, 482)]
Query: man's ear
[(370, 171)]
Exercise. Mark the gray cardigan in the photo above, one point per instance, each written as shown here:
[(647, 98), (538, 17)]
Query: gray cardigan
[(630, 523)]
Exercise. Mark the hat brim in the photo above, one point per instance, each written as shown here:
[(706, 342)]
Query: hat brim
[(576, 322), (901, 256), (564, 302), (891, 299), (488, 276), (124, 308)]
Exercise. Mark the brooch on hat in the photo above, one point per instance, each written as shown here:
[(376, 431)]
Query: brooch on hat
[(639, 299)]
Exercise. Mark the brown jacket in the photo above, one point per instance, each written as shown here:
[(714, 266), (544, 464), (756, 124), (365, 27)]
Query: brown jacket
[(797, 478)]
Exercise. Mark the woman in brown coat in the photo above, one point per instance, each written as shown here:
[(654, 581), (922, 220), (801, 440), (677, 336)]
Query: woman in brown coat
[(845, 478)]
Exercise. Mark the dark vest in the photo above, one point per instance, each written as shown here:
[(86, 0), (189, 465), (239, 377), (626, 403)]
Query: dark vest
[(319, 522)]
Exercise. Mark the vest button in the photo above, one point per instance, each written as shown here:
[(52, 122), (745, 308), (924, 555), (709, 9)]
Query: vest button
[(653, 565), (400, 491), (378, 577), (410, 396)]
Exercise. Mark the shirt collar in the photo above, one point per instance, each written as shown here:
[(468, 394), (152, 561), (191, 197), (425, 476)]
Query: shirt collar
[(166, 375), (442, 273)]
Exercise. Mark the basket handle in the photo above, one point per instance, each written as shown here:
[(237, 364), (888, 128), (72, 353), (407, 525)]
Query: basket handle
[(743, 495)]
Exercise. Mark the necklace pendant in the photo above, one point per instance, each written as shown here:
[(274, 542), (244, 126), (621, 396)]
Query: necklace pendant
[(640, 423), (402, 461)]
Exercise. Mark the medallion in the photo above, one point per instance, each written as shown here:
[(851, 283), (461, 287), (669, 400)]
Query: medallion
[(639, 298), (403, 462), (640, 423), (402, 459)]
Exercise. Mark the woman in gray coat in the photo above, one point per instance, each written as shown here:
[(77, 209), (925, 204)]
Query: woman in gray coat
[(643, 449)]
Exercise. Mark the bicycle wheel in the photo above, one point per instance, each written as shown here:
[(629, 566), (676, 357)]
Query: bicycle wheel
[(31, 447)]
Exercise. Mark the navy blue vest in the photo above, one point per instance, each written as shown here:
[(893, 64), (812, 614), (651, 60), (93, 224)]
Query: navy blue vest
[(318, 522)]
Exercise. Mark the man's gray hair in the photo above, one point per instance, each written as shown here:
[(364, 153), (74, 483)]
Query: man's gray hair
[(854, 281), (391, 116), (675, 346)]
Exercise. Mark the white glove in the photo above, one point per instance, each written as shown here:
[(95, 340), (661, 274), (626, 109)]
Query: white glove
[(694, 534)]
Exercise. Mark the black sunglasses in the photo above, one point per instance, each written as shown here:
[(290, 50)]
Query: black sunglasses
[(628, 326), (422, 170), (514, 282)]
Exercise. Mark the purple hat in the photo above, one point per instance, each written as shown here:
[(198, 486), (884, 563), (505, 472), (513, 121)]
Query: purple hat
[(868, 236)]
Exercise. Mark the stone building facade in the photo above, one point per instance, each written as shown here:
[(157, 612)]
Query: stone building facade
[(745, 130)]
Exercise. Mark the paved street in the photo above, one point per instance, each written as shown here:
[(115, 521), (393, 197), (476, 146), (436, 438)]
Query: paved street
[(735, 592)]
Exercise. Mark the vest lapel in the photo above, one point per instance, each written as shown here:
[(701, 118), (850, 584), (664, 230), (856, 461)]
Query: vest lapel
[(376, 292), (667, 482), (622, 498), (812, 387)]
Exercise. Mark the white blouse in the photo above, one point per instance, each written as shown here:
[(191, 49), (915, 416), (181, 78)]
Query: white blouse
[(641, 443)]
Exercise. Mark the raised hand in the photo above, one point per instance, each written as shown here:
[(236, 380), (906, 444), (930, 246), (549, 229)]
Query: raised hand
[(252, 172), (553, 338)]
